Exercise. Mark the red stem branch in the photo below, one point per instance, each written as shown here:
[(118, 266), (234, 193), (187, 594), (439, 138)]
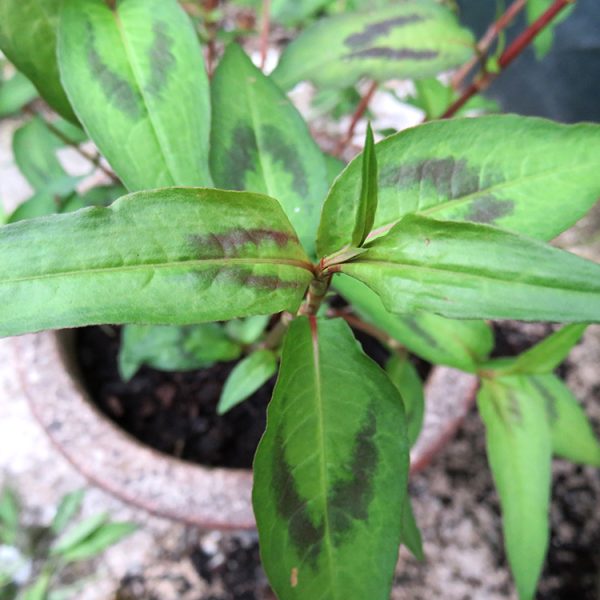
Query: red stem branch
[(487, 40), (509, 55), (361, 109)]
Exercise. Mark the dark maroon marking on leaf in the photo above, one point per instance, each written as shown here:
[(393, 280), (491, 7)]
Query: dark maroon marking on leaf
[(489, 209), (305, 535), (240, 158), (246, 278), (392, 54), (160, 57), (414, 326), (549, 399), (118, 91), (229, 243), (287, 155), (371, 32), (514, 410), (349, 499)]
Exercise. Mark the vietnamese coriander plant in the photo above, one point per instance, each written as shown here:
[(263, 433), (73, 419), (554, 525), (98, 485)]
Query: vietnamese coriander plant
[(232, 216)]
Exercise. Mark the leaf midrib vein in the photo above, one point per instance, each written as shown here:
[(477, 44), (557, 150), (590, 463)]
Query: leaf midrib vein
[(157, 266)]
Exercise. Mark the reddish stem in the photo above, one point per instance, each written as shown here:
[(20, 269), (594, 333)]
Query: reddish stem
[(361, 109), (487, 40), (512, 52)]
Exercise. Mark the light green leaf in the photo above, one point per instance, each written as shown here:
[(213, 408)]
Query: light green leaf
[(136, 78), (529, 175), (98, 541), (548, 354), (466, 270), (67, 509), (411, 536), (177, 256), (572, 435), (330, 472), (10, 510), (432, 97), (248, 376), (367, 204), (28, 39), (41, 204), (542, 44), (171, 348), (460, 344), (408, 40), (260, 143), (247, 331), (404, 376), (34, 149), (519, 452), (38, 590), (15, 93), (77, 534)]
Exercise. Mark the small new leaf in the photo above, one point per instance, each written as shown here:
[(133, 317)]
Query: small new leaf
[(367, 204), (247, 377)]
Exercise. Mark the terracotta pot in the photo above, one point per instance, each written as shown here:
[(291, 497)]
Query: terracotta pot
[(214, 498)]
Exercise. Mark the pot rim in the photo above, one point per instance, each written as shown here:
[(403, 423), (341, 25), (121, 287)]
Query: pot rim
[(168, 487)]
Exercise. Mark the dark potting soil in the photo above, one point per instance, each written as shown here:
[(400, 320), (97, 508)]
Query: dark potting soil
[(174, 413)]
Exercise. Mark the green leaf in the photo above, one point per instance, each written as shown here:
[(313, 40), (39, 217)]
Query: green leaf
[(330, 472), (38, 590), (77, 534), (248, 376), (34, 150), (10, 511), (529, 175), (260, 143), (41, 204), (460, 344), (404, 376), (67, 509), (548, 354), (98, 541), (171, 348), (465, 270), (519, 452), (367, 204), (433, 97), (177, 256), (28, 39), (411, 536), (572, 435), (136, 78), (15, 93), (247, 331), (409, 40), (542, 43)]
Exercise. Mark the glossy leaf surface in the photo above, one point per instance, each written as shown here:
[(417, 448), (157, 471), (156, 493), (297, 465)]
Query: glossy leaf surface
[(170, 348), (260, 143), (330, 472), (247, 376), (136, 78), (466, 270), (28, 39), (461, 344), (407, 40), (519, 451), (177, 256), (529, 175)]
